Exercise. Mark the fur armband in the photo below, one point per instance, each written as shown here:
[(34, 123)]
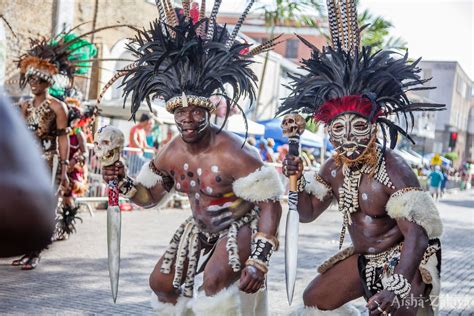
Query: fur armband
[(418, 207), (262, 184), (316, 186)]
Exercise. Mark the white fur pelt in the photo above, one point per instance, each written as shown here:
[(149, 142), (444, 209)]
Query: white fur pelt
[(313, 186), (344, 310), (417, 207), (226, 302), (262, 184), (147, 177), (431, 267), (168, 309), (230, 302)]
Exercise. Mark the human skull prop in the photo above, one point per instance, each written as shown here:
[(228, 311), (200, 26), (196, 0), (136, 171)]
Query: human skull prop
[(293, 124), (108, 144)]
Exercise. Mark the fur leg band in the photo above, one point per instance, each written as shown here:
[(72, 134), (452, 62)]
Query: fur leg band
[(168, 309), (344, 310)]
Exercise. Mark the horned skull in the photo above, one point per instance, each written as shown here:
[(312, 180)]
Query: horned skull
[(293, 124), (108, 144)]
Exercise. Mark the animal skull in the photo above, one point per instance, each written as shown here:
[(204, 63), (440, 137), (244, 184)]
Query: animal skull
[(108, 144), (293, 124)]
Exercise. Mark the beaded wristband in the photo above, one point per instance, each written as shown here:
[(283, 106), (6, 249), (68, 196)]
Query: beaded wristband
[(399, 285), (127, 187)]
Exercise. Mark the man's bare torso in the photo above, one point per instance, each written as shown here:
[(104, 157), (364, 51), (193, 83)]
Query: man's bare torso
[(206, 177), (372, 230)]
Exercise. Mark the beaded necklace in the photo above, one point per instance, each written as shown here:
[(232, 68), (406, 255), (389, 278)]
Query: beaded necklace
[(349, 191)]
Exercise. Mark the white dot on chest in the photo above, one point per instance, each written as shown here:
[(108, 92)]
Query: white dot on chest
[(364, 196), (333, 173), (215, 169)]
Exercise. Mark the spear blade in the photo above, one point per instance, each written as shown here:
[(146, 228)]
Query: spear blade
[(114, 226)]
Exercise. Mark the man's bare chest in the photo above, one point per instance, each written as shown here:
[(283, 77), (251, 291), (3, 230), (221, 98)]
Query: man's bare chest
[(202, 178), (371, 196)]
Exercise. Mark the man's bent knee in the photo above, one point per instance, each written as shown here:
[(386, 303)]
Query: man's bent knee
[(313, 297), (216, 281), (160, 285)]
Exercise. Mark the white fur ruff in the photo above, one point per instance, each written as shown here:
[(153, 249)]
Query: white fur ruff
[(168, 309), (262, 184), (431, 267), (231, 302), (344, 310), (315, 187), (417, 207), (226, 302), (147, 177)]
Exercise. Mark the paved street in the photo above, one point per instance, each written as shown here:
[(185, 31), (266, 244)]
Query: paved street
[(72, 277)]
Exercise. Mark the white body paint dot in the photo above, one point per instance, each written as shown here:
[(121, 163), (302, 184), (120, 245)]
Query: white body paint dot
[(186, 166), (199, 171), (364, 196), (208, 189), (197, 196), (333, 173), (192, 183), (178, 186), (215, 169)]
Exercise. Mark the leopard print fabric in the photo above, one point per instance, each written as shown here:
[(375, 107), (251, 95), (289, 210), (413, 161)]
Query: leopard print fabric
[(41, 121)]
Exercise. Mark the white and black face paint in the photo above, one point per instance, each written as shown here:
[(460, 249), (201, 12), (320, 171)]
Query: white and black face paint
[(192, 122), (350, 134)]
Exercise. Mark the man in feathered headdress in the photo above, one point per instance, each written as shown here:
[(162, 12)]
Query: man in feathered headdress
[(185, 60), (48, 60), (394, 226), (45, 115)]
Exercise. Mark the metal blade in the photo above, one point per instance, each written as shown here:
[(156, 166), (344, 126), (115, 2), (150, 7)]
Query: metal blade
[(291, 245), (114, 223)]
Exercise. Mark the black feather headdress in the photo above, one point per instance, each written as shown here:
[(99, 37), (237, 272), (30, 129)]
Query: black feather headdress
[(343, 78), (49, 56), (184, 58)]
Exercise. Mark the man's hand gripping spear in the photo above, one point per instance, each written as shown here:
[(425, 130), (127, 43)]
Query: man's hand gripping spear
[(293, 126), (108, 144)]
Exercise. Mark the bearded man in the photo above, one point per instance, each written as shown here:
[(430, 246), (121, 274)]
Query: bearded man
[(234, 197), (394, 226)]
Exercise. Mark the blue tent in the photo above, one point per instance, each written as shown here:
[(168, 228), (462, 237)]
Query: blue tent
[(273, 130)]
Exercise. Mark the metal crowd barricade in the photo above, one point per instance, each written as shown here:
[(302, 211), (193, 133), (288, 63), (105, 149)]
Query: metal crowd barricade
[(97, 191)]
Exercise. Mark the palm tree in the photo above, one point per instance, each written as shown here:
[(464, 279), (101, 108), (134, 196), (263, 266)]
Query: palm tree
[(377, 32), (287, 12)]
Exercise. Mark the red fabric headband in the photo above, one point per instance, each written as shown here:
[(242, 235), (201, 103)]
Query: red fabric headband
[(352, 103)]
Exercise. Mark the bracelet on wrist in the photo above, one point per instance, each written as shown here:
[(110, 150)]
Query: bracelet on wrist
[(398, 284), (259, 264), (127, 187), (64, 162), (263, 246), (301, 184)]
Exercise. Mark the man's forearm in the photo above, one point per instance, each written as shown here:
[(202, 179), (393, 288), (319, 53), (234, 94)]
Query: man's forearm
[(270, 214), (143, 197), (140, 194), (63, 143), (414, 246)]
